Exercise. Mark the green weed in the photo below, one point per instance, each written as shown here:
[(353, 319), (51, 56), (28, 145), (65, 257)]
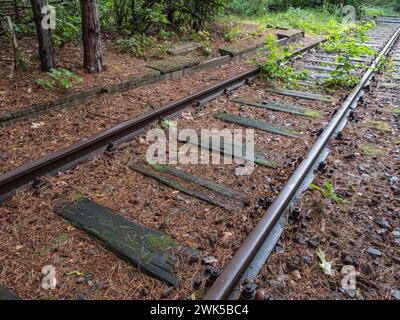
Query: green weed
[(379, 125), (329, 192), (273, 66), (233, 34), (370, 150), (137, 44), (348, 43), (59, 77)]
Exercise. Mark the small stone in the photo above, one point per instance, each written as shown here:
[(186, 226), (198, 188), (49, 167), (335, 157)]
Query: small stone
[(210, 260), (348, 260), (279, 250), (374, 252), (396, 233), (277, 285), (111, 190), (197, 283), (394, 180), (395, 294), (382, 222), (144, 292), (80, 280), (307, 260), (332, 285), (300, 238), (369, 136), (283, 278), (381, 232), (351, 293), (193, 258), (105, 286), (92, 252), (362, 167), (314, 241), (296, 275)]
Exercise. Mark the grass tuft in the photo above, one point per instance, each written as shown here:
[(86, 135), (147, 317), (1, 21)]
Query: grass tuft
[(370, 150)]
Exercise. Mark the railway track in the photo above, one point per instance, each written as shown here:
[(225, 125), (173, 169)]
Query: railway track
[(299, 126)]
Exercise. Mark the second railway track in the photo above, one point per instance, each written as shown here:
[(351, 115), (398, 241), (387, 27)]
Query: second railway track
[(202, 208)]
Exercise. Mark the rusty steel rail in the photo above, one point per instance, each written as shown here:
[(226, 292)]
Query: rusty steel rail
[(71, 155), (227, 281)]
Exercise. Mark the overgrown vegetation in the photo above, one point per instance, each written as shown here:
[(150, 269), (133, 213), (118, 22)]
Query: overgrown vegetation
[(348, 44), (137, 44), (273, 65), (135, 25), (59, 78)]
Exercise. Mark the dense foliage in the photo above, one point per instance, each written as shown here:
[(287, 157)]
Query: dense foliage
[(258, 7), (137, 25), (151, 16)]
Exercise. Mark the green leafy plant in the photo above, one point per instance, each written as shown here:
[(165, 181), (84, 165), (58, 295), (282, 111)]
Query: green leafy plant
[(203, 37), (329, 192), (137, 44), (60, 77), (207, 51), (163, 48), (325, 265), (348, 43), (64, 77), (61, 238), (45, 84), (233, 34), (273, 66), (168, 124), (78, 197), (68, 22)]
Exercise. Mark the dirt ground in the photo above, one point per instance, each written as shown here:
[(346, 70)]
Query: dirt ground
[(32, 235), (359, 236), (18, 89)]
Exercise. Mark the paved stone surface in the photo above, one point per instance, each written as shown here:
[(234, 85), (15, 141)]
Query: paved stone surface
[(185, 48), (174, 64)]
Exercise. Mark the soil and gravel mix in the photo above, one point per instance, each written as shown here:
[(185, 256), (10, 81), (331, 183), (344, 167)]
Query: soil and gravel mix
[(18, 89), (33, 236), (360, 234), (37, 136)]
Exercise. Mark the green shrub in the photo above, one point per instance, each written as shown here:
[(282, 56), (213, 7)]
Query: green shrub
[(137, 44), (348, 43), (60, 77)]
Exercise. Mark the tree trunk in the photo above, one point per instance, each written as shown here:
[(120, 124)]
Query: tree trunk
[(46, 50), (16, 12), (92, 57)]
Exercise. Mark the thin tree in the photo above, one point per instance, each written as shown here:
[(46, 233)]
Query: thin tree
[(46, 50), (92, 56)]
